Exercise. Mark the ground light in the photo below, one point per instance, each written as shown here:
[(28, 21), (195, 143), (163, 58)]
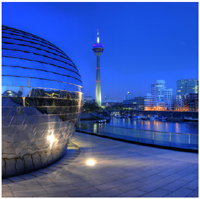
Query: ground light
[(90, 162)]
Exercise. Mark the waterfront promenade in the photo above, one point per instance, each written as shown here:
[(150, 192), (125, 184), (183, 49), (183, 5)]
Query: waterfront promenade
[(121, 170)]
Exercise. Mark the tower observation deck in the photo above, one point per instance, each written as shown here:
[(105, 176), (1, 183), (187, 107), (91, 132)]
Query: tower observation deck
[(98, 49)]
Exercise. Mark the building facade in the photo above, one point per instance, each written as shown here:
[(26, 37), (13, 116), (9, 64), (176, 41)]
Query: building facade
[(149, 102), (169, 98), (185, 86), (188, 102), (88, 99), (157, 90), (106, 98), (192, 101), (160, 93), (128, 96), (178, 103), (137, 103)]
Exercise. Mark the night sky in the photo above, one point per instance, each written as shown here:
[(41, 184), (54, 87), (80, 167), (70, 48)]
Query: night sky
[(142, 42)]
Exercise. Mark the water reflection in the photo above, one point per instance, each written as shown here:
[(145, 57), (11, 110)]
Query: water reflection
[(177, 129), (184, 127)]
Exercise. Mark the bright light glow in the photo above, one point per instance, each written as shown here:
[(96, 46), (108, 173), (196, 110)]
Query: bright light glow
[(51, 137), (90, 162)]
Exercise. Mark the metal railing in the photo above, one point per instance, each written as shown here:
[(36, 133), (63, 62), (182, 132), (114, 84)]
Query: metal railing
[(177, 140)]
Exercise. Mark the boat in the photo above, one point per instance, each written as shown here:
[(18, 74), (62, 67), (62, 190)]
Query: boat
[(191, 119), (100, 121), (162, 118), (135, 117), (152, 118), (118, 116), (144, 117), (107, 119)]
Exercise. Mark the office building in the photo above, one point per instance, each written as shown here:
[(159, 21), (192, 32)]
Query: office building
[(149, 102), (106, 98), (169, 98), (157, 90), (88, 99), (128, 96), (185, 86), (160, 97), (137, 103), (178, 103), (192, 101)]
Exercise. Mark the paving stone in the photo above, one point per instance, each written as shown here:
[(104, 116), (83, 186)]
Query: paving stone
[(56, 178), (130, 186), (130, 179), (168, 172), (90, 183), (157, 193), (27, 176), (5, 188), (109, 185), (69, 181), (33, 186), (16, 179), (44, 182), (150, 179), (82, 192), (192, 185), (174, 185), (60, 194), (193, 194), (182, 192), (189, 178), (108, 193), (56, 189), (134, 193), (17, 187), (29, 193), (111, 178), (7, 194)]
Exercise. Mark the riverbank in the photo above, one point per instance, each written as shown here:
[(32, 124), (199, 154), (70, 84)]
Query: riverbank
[(168, 114), (89, 116)]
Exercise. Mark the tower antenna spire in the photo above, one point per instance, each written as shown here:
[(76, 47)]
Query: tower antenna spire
[(98, 39)]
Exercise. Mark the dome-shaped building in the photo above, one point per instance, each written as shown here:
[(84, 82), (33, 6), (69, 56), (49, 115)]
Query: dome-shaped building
[(41, 101)]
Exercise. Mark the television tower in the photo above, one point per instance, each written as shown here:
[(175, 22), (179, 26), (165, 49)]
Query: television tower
[(98, 49)]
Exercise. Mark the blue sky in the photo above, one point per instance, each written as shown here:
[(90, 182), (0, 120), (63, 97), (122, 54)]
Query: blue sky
[(142, 42)]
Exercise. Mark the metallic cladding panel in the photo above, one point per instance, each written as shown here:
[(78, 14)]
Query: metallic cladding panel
[(42, 95)]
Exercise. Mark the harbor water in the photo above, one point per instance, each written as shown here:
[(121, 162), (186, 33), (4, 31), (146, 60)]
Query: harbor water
[(155, 125)]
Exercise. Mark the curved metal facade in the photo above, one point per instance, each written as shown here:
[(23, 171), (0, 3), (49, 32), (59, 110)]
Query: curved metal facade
[(42, 95)]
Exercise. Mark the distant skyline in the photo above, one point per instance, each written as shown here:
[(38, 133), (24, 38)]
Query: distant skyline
[(143, 41)]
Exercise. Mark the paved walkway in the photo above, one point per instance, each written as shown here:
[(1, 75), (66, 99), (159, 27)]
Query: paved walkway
[(121, 170)]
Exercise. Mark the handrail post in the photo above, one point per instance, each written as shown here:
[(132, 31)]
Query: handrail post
[(189, 140), (153, 137), (125, 133), (170, 139)]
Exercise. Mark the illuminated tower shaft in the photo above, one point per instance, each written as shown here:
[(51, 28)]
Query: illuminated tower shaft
[(98, 81), (98, 49)]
